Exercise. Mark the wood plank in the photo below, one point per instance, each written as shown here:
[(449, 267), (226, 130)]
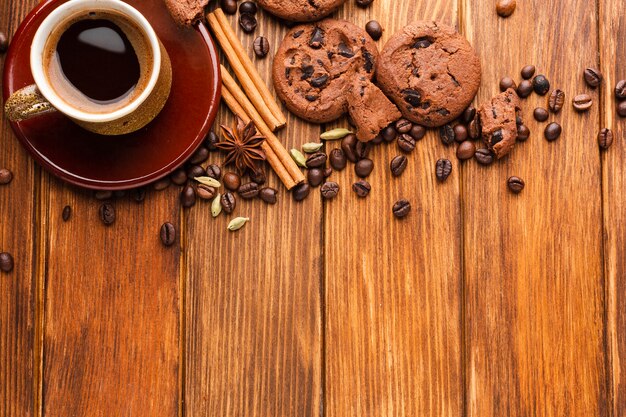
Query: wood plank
[(18, 235), (112, 332), (253, 297), (393, 288), (533, 262), (612, 57)]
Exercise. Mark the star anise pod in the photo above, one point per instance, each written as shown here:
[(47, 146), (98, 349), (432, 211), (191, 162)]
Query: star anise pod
[(242, 145)]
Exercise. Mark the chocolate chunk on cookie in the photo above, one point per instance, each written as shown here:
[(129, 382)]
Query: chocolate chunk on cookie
[(498, 121), (370, 110), (315, 64), (301, 10), (430, 71)]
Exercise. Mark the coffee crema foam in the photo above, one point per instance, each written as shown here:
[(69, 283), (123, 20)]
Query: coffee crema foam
[(68, 92)]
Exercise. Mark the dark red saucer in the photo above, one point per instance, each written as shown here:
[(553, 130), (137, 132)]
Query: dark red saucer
[(121, 162)]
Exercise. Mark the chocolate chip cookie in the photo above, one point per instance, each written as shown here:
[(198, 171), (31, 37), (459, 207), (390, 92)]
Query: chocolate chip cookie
[(315, 64), (498, 120), (430, 71), (301, 10)]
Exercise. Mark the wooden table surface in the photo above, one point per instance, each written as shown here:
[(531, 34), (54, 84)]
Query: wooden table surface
[(481, 303)]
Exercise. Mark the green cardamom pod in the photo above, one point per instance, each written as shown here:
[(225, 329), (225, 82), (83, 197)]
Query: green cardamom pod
[(237, 223), (216, 205), (312, 147), (298, 157), (208, 181), (335, 134)]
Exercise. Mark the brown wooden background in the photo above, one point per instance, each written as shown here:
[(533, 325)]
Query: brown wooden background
[(482, 303)]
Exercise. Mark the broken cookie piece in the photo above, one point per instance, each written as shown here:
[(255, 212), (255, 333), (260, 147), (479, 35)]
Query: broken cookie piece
[(186, 12), (370, 109), (498, 122)]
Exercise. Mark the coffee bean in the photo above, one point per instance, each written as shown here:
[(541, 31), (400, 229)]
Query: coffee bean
[(541, 85), (210, 141), (301, 191), (248, 7), (505, 8), (524, 88), (67, 213), (6, 176), (443, 169), (249, 190), (620, 89), (465, 150), (403, 126), (374, 29), (523, 133), (398, 165), (330, 190), (552, 132), (528, 71), (228, 202), (364, 168), (518, 120), (556, 101), (338, 159), (621, 109), (605, 138), (195, 171), (316, 160), (317, 38), (168, 234), (4, 43), (515, 184), (268, 195), (362, 188), (401, 208), (139, 194), (377, 140), (179, 177), (389, 133), (229, 6), (199, 156), (460, 133), (162, 184), (315, 177), (406, 143), (474, 129), (103, 195), (347, 145), (364, 3), (231, 181), (417, 132), (214, 171), (328, 172), (541, 114), (205, 192), (582, 102), (248, 22), (188, 196), (107, 214), (6, 262), (468, 115), (484, 156), (362, 149), (592, 77), (261, 46), (506, 83), (446, 134), (258, 176)]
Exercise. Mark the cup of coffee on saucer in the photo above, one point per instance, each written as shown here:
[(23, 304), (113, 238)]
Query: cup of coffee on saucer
[(101, 64)]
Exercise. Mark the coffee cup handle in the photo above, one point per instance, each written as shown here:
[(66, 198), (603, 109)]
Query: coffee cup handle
[(25, 103)]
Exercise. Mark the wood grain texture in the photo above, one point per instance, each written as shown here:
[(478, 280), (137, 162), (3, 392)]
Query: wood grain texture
[(253, 314), (18, 236), (393, 288), (533, 262), (112, 333), (612, 58)]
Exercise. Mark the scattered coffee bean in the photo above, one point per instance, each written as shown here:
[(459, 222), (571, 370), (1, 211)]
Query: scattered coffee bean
[(4, 43), (179, 177), (398, 165), (484, 156), (107, 214), (228, 202), (605, 138), (248, 22), (506, 83), (362, 188), (66, 213), (268, 195), (205, 192), (443, 169), (528, 71), (505, 8), (199, 156), (210, 141), (541, 114), (364, 3), (465, 150), (195, 171), (229, 6), (188, 196), (523, 133), (377, 140), (541, 85), (138, 194), (6, 262), (347, 145), (168, 234), (519, 121), (524, 88), (261, 46), (403, 126), (620, 89), (374, 29), (621, 109), (328, 172), (338, 159), (162, 184), (389, 133), (417, 132), (258, 176), (301, 191), (249, 190), (556, 101), (231, 181), (315, 177), (582, 102), (593, 77), (6, 176), (362, 149), (103, 195), (248, 7), (364, 167), (446, 134), (330, 190), (401, 208), (460, 133), (468, 115), (553, 131), (474, 129), (406, 143), (316, 160), (515, 184), (214, 171)]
